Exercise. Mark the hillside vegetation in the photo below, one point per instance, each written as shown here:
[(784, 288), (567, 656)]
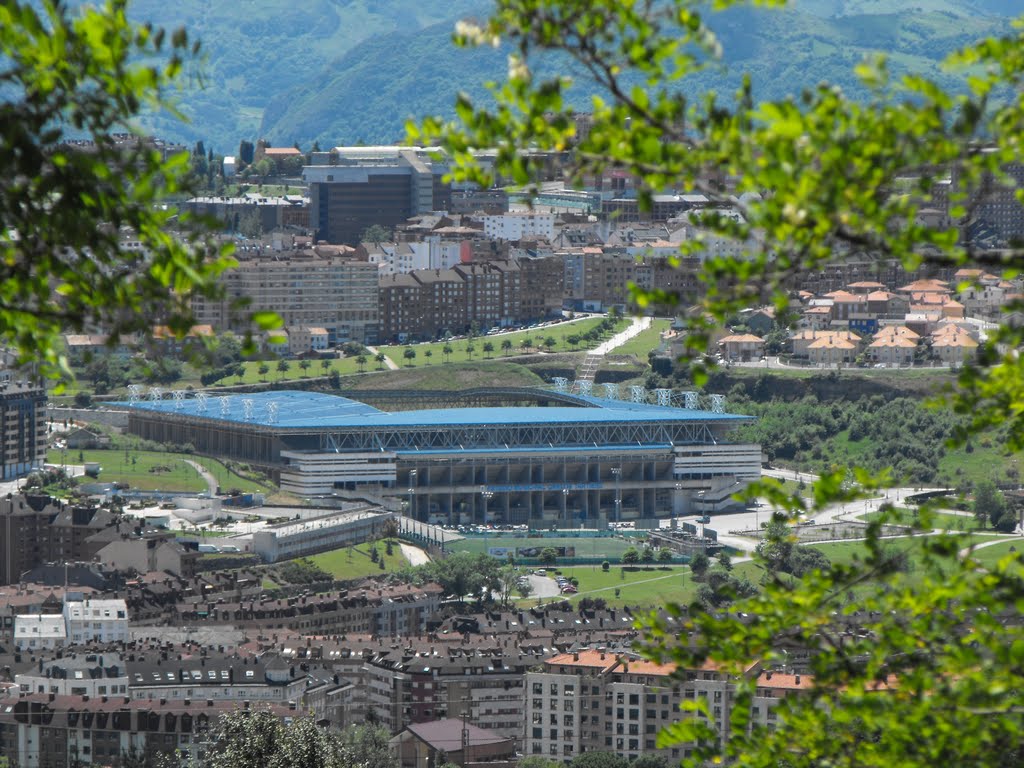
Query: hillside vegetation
[(368, 94), (349, 71), (901, 434)]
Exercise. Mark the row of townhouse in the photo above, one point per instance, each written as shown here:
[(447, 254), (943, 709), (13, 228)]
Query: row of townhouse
[(55, 731), (382, 611)]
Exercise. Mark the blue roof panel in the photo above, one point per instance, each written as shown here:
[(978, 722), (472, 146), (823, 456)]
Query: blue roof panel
[(290, 409)]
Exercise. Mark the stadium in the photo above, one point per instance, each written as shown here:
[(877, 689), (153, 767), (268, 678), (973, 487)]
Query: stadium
[(565, 460)]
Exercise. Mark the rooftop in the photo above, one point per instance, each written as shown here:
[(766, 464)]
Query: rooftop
[(313, 410)]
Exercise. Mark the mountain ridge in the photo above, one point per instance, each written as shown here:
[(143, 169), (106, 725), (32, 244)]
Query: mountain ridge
[(366, 96), (350, 71)]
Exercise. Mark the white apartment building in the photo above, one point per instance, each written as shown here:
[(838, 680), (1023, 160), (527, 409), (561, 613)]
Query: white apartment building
[(96, 621), (39, 631), (518, 225)]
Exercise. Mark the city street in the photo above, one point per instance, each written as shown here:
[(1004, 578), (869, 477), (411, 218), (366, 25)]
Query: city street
[(730, 526)]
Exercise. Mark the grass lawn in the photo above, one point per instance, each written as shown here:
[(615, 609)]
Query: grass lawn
[(144, 470), (560, 333), (345, 366), (355, 563), (229, 480), (448, 376), (641, 588), (605, 547), (645, 341), (942, 520), (846, 552), (989, 556)]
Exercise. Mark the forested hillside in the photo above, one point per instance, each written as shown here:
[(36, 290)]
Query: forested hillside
[(254, 49), (349, 71), (902, 435), (367, 95)]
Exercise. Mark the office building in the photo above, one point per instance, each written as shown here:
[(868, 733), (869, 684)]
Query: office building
[(373, 185)]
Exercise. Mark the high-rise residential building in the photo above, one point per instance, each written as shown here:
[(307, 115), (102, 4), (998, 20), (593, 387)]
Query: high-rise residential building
[(308, 288), (542, 288), (22, 428), (429, 303), (373, 185)]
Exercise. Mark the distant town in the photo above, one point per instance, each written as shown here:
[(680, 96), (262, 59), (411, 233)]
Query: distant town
[(436, 498)]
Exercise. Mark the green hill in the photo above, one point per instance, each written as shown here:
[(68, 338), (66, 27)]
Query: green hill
[(254, 49), (367, 95), (348, 71)]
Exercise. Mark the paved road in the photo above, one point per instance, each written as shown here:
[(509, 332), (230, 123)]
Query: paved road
[(211, 481), (414, 555), (543, 586), (731, 527), (790, 474)]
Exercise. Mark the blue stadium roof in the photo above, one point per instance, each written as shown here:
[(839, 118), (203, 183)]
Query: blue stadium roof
[(316, 410)]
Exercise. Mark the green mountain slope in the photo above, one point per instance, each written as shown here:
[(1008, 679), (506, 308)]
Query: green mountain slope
[(254, 49), (354, 70), (366, 95)]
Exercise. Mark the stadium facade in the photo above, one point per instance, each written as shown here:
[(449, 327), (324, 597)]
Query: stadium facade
[(569, 461)]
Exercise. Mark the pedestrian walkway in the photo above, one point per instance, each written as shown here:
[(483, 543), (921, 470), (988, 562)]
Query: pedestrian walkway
[(594, 357), (638, 325), (391, 364)]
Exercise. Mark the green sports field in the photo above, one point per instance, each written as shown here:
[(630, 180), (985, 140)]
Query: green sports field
[(605, 547)]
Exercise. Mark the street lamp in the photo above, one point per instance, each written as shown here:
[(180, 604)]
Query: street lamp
[(675, 501), (486, 496), (412, 490), (617, 472)]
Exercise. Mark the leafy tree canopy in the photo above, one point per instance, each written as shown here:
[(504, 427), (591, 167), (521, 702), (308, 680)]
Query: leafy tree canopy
[(67, 211), (259, 739), (464, 573)]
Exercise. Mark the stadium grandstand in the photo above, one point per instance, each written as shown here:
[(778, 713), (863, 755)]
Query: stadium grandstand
[(569, 460)]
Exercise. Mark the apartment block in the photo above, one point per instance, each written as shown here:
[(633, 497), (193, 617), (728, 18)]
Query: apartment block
[(598, 701), (518, 225), (22, 428), (35, 530), (311, 288), (491, 201), (56, 731), (542, 286), (427, 304), (272, 212)]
